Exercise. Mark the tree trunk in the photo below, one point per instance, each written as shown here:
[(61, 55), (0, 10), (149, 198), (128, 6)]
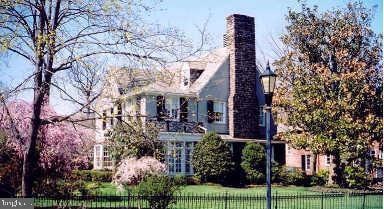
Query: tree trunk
[(314, 164), (30, 157), (338, 177)]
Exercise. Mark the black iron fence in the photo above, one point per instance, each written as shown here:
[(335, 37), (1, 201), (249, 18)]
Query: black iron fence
[(222, 201)]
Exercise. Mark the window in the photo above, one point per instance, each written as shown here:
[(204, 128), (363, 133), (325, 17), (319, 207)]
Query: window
[(261, 116), (179, 157), (174, 157), (219, 112), (172, 107), (328, 160), (97, 156), (107, 161), (104, 120), (188, 157), (308, 162)]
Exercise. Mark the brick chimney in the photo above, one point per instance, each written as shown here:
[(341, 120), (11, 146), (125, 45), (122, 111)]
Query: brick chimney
[(242, 102)]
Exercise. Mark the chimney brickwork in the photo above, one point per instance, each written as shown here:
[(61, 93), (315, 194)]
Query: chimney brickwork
[(242, 101)]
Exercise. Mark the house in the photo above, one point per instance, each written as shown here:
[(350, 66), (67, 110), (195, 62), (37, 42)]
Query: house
[(219, 91)]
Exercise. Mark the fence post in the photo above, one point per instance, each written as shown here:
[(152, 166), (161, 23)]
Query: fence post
[(363, 206), (322, 200), (226, 200)]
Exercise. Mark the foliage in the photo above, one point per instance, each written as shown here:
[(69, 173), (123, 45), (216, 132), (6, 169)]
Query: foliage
[(356, 176), (158, 190), (293, 176), (320, 178), (330, 84), (63, 147), (253, 162), (212, 159), (133, 170), (10, 172), (92, 175), (134, 139)]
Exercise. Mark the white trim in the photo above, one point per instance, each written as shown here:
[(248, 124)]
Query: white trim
[(307, 162)]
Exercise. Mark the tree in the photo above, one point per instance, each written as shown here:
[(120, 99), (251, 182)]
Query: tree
[(134, 139), (212, 159), (330, 84), (63, 147), (253, 162), (54, 35)]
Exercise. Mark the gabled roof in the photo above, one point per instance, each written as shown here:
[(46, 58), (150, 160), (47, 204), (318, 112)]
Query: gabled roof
[(212, 61), (168, 80)]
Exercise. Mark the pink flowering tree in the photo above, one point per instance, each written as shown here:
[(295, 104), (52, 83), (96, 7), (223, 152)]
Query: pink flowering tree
[(63, 146), (133, 170)]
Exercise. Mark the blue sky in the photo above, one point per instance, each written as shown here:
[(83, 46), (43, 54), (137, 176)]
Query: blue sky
[(187, 14)]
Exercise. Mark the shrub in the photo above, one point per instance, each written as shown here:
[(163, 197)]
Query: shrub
[(320, 178), (212, 159), (158, 191), (253, 162), (132, 170), (92, 175), (293, 176), (356, 177)]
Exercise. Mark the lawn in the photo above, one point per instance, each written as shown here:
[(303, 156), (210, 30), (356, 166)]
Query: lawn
[(110, 189)]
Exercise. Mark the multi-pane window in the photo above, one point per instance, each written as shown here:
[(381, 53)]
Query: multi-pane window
[(261, 117), (174, 157), (97, 156), (179, 157), (308, 162), (328, 160), (172, 108), (188, 157), (107, 161), (219, 112)]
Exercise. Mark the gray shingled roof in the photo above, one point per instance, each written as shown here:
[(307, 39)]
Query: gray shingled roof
[(168, 80)]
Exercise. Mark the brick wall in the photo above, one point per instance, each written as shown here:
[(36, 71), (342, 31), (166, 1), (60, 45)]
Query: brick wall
[(242, 102)]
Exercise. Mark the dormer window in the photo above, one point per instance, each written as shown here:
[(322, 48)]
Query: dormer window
[(195, 74)]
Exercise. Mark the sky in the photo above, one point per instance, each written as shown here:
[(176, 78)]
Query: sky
[(188, 15)]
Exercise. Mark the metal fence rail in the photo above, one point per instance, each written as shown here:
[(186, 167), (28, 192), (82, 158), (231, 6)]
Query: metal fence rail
[(222, 201)]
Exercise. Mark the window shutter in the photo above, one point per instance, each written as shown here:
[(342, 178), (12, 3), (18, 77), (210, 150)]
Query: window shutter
[(160, 107), (119, 112), (183, 109), (303, 163), (210, 113)]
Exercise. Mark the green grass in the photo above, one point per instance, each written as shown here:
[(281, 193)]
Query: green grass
[(217, 189), (108, 188)]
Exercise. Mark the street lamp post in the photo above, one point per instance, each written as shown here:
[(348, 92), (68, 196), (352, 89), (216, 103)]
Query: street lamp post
[(268, 79)]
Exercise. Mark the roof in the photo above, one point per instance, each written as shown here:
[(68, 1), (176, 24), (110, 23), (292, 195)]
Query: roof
[(168, 80)]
